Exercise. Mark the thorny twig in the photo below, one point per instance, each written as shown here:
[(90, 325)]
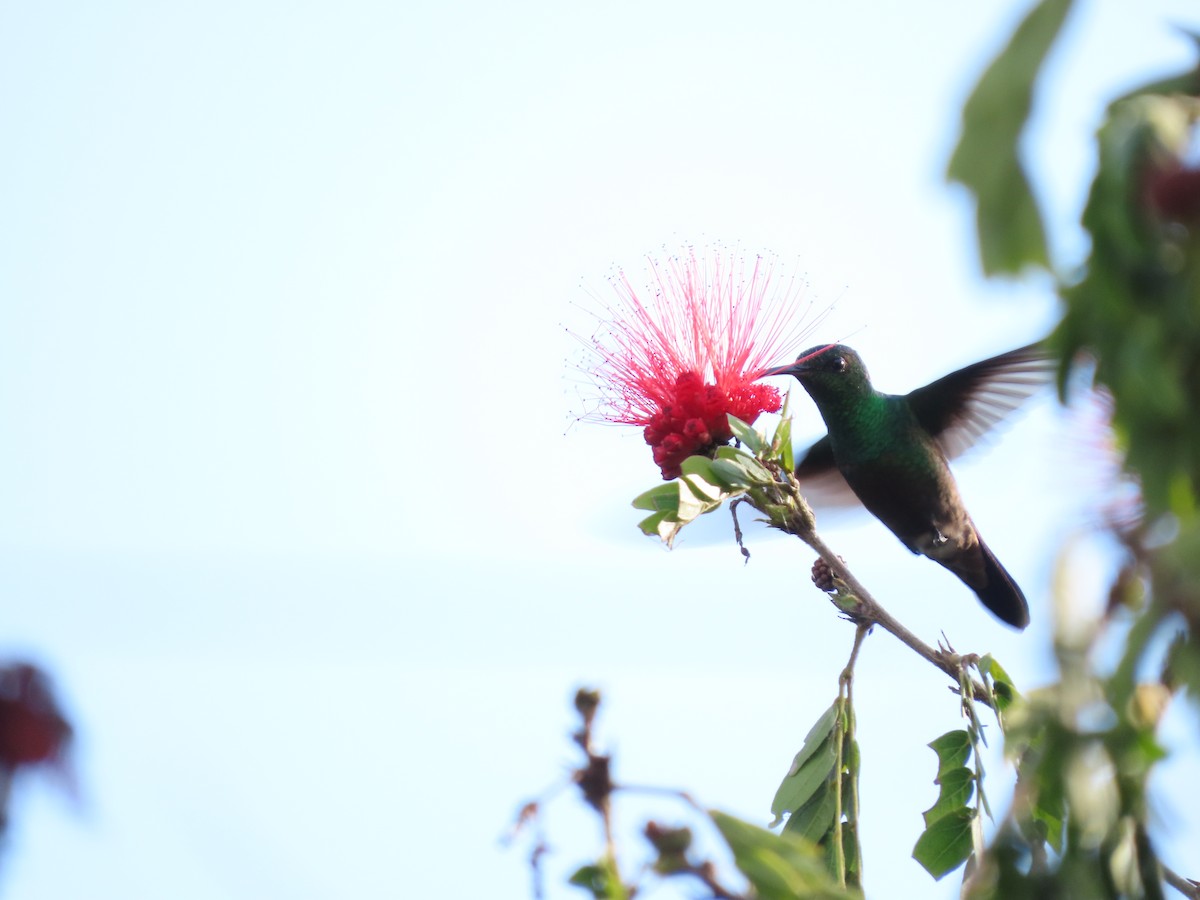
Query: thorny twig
[(1185, 886), (595, 783), (859, 605), (737, 528)]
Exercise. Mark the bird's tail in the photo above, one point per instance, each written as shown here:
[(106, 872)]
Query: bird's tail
[(1000, 593)]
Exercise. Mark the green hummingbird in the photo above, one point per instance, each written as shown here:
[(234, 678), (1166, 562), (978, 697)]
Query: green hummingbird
[(891, 451)]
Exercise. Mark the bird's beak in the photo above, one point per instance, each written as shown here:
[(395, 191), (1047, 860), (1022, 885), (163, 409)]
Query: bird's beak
[(792, 368)]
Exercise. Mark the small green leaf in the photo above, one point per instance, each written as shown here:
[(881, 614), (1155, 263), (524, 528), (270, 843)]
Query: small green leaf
[(957, 786), (1002, 684), (696, 498), (953, 750), (653, 524), (778, 866), (816, 735), (792, 794), (757, 472), (852, 853), (731, 473), (787, 455), (663, 498), (747, 435), (813, 820), (700, 466), (601, 880), (668, 528), (1050, 813), (754, 469), (946, 844), (801, 783)]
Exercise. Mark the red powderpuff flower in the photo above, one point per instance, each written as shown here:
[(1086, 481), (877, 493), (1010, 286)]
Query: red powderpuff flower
[(33, 729), (683, 355)]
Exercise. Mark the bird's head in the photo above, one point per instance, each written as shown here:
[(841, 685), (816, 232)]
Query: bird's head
[(829, 372)]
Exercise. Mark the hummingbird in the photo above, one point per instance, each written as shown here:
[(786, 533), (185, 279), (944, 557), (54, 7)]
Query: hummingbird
[(891, 451)]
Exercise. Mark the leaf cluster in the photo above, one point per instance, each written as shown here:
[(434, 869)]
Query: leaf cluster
[(760, 470), (819, 794)]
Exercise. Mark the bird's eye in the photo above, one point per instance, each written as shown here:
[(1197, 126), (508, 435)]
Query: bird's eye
[(839, 363)]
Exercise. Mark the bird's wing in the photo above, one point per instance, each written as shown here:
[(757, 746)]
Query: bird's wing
[(820, 481), (959, 408)]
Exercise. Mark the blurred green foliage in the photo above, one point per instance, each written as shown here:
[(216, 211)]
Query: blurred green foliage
[(1130, 327)]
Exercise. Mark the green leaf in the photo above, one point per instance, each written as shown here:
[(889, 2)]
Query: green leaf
[(668, 528), (953, 749), (758, 473), (663, 498), (813, 820), (816, 735), (805, 780), (797, 785), (601, 880), (1002, 684), (699, 497), (787, 455), (1049, 813), (700, 466), (731, 473), (946, 844), (778, 866), (754, 470), (986, 160), (957, 785), (852, 853), (654, 524), (747, 435)]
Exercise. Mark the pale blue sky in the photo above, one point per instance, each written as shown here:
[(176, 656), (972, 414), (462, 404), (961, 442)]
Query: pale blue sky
[(289, 509)]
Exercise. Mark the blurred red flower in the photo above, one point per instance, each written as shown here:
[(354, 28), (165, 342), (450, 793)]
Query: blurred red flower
[(33, 730), (682, 355)]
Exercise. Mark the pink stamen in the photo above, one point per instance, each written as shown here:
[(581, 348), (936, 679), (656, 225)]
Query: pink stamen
[(682, 359)]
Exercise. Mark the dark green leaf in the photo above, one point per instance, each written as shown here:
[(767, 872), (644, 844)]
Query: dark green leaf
[(946, 844), (986, 160), (1049, 814), (953, 750), (1002, 684), (956, 785)]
